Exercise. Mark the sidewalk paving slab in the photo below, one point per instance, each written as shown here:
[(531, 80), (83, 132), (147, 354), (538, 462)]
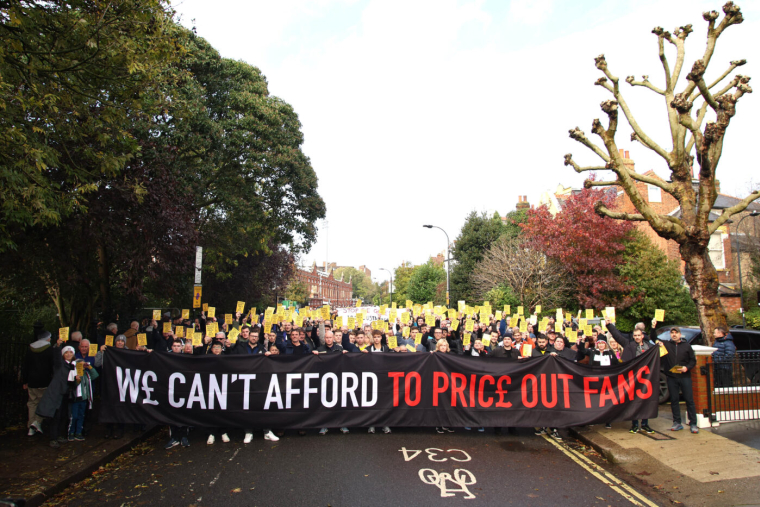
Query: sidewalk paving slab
[(32, 470), (695, 469)]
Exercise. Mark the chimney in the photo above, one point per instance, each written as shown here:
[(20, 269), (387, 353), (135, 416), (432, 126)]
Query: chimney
[(522, 202), (622, 153), (627, 160), (626, 154)]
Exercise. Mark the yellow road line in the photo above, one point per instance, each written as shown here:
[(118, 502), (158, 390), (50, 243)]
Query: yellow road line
[(600, 473)]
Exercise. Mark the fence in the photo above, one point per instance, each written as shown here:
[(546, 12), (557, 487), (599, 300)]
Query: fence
[(12, 396), (735, 394)]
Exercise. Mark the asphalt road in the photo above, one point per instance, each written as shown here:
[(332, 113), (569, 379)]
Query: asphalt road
[(407, 467)]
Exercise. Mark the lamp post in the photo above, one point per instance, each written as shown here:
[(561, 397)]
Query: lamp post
[(390, 287), (448, 262), (739, 259)]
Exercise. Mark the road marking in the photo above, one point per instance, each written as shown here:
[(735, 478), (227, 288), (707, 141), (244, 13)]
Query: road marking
[(461, 478), (233, 456), (600, 473), (213, 481)]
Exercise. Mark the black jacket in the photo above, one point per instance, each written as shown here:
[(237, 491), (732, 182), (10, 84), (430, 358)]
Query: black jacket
[(595, 355), (630, 348), (335, 348), (679, 354), (501, 352), (537, 352), (244, 348), (37, 371)]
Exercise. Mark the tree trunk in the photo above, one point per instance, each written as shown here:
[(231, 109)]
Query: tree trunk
[(703, 287)]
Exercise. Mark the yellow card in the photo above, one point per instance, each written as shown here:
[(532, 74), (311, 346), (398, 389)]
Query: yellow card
[(569, 317), (405, 332), (411, 348), (527, 350), (383, 309), (216, 327), (179, 331), (351, 323), (520, 310), (557, 327), (392, 315), (142, 340), (325, 312), (185, 314), (240, 307), (582, 323), (156, 315), (233, 334), (469, 325), (269, 311), (364, 346), (507, 309), (418, 339), (358, 303), (392, 341), (659, 315), (93, 349), (210, 330), (109, 340), (267, 328), (497, 316), (409, 304), (455, 324), (610, 313), (663, 351), (542, 326), (588, 330), (359, 318), (523, 326), (393, 305), (205, 307), (197, 339), (513, 321), (430, 320), (211, 312), (167, 327), (466, 339), (538, 309), (228, 318), (63, 334), (572, 335), (197, 296), (80, 368), (589, 314)]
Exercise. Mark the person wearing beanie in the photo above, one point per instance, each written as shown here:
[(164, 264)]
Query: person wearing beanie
[(601, 356), (36, 375), (55, 400)]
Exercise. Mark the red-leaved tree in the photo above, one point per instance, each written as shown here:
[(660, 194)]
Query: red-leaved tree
[(588, 246)]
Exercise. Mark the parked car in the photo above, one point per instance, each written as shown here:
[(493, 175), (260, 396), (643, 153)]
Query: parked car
[(747, 341)]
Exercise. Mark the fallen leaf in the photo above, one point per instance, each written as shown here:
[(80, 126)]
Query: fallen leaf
[(600, 498), (643, 473), (714, 473), (720, 491), (236, 490)]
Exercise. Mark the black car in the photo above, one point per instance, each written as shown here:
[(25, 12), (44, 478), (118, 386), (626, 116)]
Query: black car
[(746, 340)]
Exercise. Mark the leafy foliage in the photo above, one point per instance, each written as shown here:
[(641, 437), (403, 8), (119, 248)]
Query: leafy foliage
[(428, 283), (589, 246)]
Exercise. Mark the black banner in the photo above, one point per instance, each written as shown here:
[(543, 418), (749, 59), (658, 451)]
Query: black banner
[(359, 390)]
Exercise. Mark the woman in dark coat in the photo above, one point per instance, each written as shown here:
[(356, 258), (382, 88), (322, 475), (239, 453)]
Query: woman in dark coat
[(55, 401)]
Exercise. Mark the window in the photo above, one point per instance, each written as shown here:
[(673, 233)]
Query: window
[(716, 250), (655, 193)]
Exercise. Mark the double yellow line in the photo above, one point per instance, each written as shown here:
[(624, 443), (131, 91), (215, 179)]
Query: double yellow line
[(600, 473)]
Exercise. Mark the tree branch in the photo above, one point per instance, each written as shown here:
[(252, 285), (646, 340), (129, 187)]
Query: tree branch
[(662, 35), (645, 83), (594, 183), (569, 161), (602, 210), (681, 34), (578, 135), (733, 210)]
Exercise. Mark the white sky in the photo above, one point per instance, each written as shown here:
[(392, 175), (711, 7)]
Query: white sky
[(418, 112)]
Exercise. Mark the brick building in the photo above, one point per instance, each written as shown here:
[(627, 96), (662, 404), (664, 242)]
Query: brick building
[(721, 245), (323, 288)]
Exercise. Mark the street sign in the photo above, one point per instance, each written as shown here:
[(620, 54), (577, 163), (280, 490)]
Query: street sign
[(198, 264), (197, 296)]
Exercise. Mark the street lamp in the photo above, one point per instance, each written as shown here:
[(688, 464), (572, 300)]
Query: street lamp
[(739, 258), (448, 260), (390, 288)]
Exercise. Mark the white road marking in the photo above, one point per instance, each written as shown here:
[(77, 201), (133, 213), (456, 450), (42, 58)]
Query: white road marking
[(603, 475), (235, 454), (215, 479)]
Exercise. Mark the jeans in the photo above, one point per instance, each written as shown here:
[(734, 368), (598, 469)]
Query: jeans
[(77, 409), (682, 384)]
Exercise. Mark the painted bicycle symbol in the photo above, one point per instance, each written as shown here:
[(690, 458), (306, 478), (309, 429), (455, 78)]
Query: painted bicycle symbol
[(461, 478)]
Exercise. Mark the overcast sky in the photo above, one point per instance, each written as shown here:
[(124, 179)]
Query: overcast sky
[(418, 112)]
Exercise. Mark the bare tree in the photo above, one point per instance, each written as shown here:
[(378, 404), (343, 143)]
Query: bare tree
[(692, 229), (534, 278)]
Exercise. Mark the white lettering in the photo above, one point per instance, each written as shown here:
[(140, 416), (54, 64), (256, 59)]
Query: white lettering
[(334, 379), (366, 376), (349, 389), (246, 378), (220, 393), (147, 390), (289, 390), (172, 378), (196, 393), (133, 386), (273, 394), (307, 390)]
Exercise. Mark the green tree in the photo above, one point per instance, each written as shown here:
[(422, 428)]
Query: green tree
[(401, 276), (425, 284), (657, 284), (478, 233), (502, 295), (72, 76)]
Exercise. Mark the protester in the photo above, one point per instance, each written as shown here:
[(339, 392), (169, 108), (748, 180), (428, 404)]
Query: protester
[(723, 357), (36, 375), (676, 364), (542, 347), (177, 434), (80, 399), (55, 400), (507, 350), (600, 356), (330, 348)]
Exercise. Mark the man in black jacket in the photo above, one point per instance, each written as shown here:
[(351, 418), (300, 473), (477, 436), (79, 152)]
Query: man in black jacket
[(249, 347), (506, 350), (676, 365), (36, 375)]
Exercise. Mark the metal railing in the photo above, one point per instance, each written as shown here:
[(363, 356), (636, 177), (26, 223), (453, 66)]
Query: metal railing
[(735, 394), (12, 396)]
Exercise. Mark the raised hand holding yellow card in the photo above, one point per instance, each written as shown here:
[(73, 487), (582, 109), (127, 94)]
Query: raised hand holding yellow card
[(197, 339), (185, 314), (93, 349), (179, 332), (240, 307), (233, 334), (405, 332), (156, 315), (228, 318), (63, 334), (80, 368), (589, 314), (167, 327), (392, 341), (109, 340), (142, 340), (454, 325), (659, 315)]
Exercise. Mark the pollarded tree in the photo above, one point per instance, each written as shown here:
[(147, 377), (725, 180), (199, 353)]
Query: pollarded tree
[(693, 227)]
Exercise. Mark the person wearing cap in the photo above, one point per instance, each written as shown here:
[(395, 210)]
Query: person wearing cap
[(36, 375), (55, 400), (676, 364)]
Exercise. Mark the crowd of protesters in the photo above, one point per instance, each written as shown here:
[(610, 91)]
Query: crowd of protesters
[(61, 377)]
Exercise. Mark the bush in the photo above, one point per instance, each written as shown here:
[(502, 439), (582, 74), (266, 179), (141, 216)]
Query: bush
[(753, 318)]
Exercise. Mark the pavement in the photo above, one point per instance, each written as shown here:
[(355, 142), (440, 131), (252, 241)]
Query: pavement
[(410, 466), (711, 468), (31, 469)]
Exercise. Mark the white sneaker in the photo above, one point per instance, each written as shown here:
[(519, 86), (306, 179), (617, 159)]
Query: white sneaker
[(36, 427), (344, 430), (271, 436), (386, 429), (31, 432), (210, 440), (225, 438), (371, 429), (248, 438)]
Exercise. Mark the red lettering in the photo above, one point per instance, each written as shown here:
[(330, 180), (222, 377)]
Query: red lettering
[(526, 403), (458, 390), (626, 386), (564, 377), (418, 391), (395, 375), (608, 393), (472, 390), (501, 392), (587, 391), (481, 388), (553, 391), (645, 382), (439, 389)]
